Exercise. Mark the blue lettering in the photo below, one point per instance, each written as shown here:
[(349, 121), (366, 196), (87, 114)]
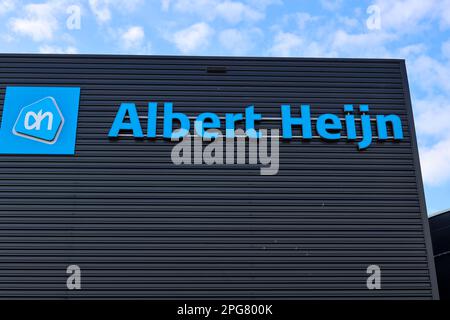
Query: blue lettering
[(350, 122), (151, 120), (169, 116), (230, 123), (366, 128), (328, 122), (250, 118), (328, 126), (119, 124), (396, 126), (201, 124), (304, 121)]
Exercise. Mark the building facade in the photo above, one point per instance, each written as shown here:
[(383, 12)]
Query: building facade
[(79, 198)]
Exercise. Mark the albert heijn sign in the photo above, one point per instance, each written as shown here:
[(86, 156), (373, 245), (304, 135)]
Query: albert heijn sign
[(43, 120), (328, 126)]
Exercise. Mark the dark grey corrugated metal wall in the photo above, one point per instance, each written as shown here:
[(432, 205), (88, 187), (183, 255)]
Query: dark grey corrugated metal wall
[(141, 227), (439, 226)]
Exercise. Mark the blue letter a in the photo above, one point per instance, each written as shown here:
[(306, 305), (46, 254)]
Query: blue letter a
[(119, 124)]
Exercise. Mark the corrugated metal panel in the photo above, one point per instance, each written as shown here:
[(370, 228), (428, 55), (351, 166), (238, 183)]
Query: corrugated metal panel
[(440, 235), (141, 227)]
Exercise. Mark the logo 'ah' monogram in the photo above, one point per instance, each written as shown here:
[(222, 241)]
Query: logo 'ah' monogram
[(40, 121), (38, 118)]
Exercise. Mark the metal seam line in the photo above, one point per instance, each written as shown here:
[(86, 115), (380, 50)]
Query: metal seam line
[(244, 136)]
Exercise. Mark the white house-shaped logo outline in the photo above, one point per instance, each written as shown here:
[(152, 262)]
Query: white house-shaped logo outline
[(36, 138)]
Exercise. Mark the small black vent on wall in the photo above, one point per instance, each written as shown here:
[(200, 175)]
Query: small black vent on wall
[(216, 69)]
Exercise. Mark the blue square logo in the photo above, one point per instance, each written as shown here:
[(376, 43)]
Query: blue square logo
[(39, 120)]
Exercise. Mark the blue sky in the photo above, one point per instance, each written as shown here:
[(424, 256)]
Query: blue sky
[(416, 30)]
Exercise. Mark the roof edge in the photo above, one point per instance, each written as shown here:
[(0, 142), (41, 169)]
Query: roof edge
[(437, 213), (98, 55)]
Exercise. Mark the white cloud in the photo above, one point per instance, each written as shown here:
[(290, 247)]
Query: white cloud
[(165, 5), (127, 5), (435, 163), (331, 5), (412, 50), (133, 37), (56, 49), (233, 40), (231, 11), (7, 38), (129, 40), (235, 12), (193, 38), (430, 74), (432, 113), (263, 4), (333, 43), (286, 44), (39, 21), (6, 6), (445, 48), (369, 44), (102, 9), (404, 15), (304, 18), (445, 14), (433, 117), (194, 6), (410, 16), (349, 22), (239, 42)]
